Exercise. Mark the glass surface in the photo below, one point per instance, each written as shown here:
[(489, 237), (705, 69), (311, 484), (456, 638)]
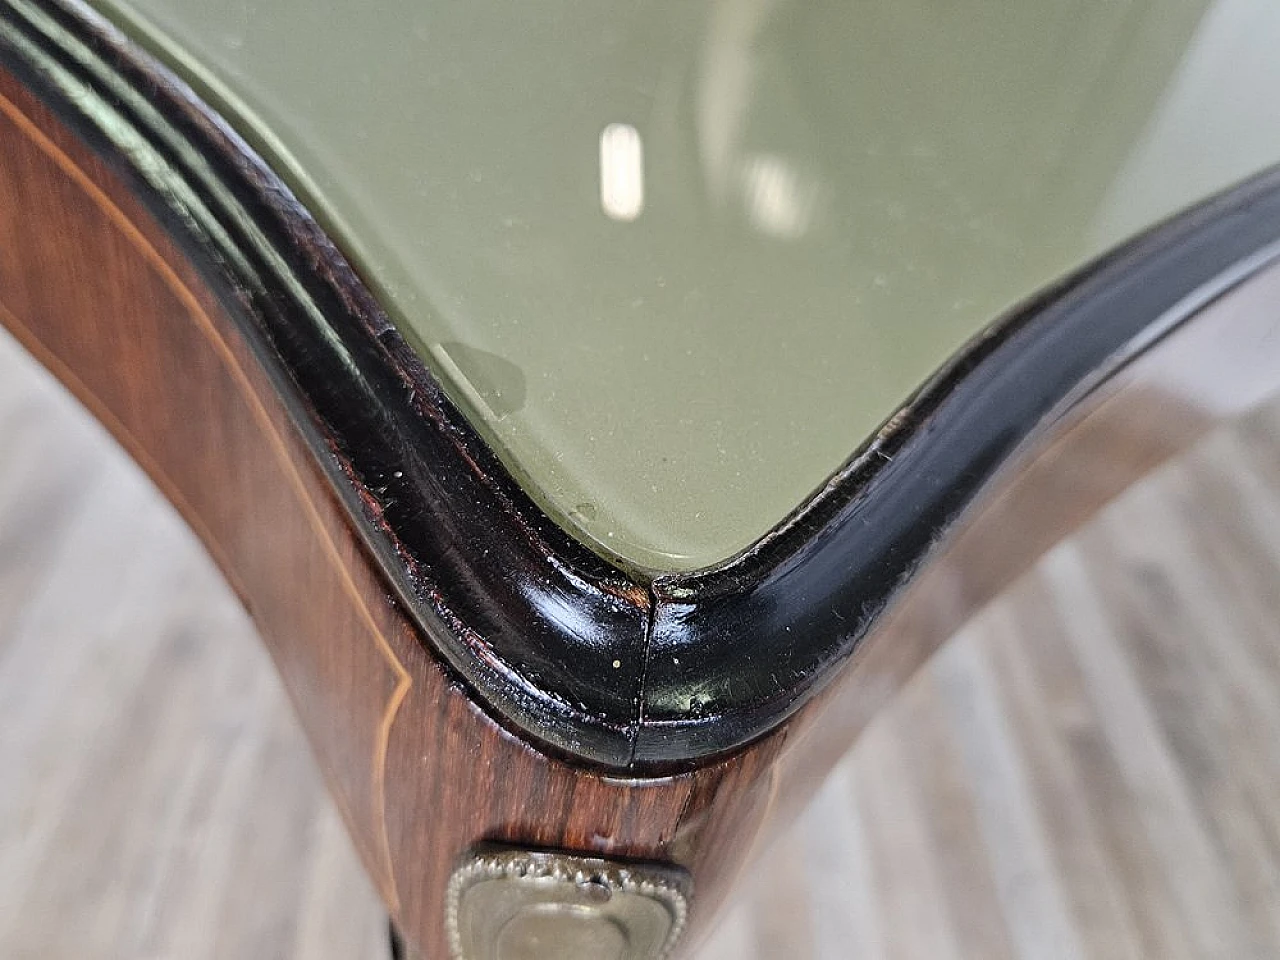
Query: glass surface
[(676, 260)]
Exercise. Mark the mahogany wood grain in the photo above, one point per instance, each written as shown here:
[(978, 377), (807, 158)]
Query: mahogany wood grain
[(93, 287), (99, 291)]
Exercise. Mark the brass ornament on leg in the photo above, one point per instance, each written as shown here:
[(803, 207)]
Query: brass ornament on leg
[(507, 904)]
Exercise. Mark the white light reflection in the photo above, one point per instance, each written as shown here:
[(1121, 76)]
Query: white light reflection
[(779, 201), (621, 172)]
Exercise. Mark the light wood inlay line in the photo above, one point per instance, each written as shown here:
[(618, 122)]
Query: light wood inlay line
[(173, 811), (404, 680)]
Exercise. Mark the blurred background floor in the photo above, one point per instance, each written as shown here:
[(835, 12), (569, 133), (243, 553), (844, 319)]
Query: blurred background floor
[(1091, 770)]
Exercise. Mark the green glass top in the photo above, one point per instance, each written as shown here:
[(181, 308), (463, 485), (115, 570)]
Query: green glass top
[(677, 259)]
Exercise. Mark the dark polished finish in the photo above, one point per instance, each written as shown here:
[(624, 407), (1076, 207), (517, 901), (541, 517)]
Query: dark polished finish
[(571, 651), (738, 648), (94, 286), (530, 617), (409, 592)]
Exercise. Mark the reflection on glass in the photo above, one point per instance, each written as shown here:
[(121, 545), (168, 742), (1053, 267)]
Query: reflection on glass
[(822, 201), (779, 202), (621, 172)]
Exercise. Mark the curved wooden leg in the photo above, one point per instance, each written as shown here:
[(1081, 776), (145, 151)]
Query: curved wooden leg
[(96, 288), (152, 338)]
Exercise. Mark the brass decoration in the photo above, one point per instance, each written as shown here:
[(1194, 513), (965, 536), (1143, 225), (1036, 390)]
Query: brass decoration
[(505, 904)]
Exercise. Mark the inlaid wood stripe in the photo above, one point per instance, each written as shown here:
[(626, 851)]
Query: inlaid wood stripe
[(204, 323)]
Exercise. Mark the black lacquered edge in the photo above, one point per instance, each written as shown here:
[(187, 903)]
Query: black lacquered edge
[(528, 616), (737, 648)]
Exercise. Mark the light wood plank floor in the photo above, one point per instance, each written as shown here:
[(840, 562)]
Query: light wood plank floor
[(1091, 770)]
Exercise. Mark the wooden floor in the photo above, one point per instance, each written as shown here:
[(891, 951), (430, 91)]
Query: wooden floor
[(1091, 770)]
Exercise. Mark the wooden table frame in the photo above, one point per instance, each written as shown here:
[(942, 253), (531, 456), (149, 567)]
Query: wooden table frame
[(466, 672)]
